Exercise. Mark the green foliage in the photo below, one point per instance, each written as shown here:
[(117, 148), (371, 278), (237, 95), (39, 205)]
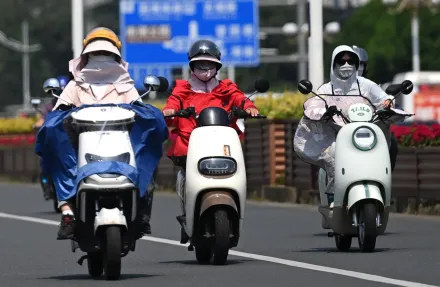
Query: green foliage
[(49, 25), (286, 106), (387, 38)]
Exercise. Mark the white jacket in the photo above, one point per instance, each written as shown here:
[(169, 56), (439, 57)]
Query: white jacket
[(352, 85)]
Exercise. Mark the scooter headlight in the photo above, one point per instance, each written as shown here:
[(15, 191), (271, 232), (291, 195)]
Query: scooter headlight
[(217, 166), (364, 138), (123, 157)]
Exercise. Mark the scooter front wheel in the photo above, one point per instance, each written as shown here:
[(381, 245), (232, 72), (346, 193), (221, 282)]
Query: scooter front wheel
[(221, 244), (367, 229), (111, 249)]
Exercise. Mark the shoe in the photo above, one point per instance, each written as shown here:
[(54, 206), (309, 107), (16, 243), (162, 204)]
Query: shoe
[(330, 199), (67, 227)]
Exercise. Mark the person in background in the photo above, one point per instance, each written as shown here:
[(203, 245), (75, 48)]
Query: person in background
[(45, 180), (362, 71)]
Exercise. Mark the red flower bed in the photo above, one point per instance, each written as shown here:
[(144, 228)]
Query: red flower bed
[(17, 140), (417, 135)]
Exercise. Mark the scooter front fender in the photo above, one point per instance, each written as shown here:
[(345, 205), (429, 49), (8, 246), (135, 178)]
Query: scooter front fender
[(213, 198), (363, 191), (109, 217)]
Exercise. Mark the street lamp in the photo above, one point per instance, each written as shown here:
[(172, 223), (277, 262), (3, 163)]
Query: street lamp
[(414, 6), (25, 49)]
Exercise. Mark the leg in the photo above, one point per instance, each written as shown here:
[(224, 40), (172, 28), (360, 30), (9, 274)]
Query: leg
[(146, 205), (180, 190), (68, 224), (330, 189), (394, 150), (45, 185)]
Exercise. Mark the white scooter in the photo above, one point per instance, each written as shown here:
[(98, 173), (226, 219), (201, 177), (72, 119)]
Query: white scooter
[(106, 204), (362, 170), (212, 188)]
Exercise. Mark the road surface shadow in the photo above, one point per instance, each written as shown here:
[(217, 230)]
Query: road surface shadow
[(352, 250), (102, 277), (48, 213), (325, 234), (194, 262)]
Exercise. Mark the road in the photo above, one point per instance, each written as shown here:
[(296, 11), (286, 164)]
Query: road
[(282, 245)]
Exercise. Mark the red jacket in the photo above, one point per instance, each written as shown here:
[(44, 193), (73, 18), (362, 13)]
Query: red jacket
[(225, 95)]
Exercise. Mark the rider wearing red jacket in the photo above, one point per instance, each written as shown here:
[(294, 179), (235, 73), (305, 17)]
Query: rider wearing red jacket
[(202, 90)]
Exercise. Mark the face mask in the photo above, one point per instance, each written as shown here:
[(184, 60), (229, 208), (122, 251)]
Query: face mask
[(101, 58), (344, 72), (204, 75)]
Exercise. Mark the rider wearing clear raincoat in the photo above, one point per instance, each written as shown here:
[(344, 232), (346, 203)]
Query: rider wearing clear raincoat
[(314, 141)]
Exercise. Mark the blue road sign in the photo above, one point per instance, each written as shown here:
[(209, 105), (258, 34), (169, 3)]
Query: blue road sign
[(139, 72), (160, 32)]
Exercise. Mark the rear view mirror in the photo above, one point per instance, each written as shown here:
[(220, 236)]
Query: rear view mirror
[(51, 85), (305, 87), (393, 89), (407, 87), (152, 82), (164, 84), (261, 85)]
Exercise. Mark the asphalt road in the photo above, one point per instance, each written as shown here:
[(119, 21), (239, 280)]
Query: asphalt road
[(282, 245)]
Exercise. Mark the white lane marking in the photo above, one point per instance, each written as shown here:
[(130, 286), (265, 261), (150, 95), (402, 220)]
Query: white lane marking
[(292, 263)]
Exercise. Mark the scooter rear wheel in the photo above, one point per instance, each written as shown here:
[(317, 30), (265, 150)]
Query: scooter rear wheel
[(343, 242), (367, 229), (222, 242), (111, 249), (95, 263)]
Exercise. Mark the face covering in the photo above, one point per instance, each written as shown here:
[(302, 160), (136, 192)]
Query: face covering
[(344, 72), (204, 75), (102, 70), (101, 58)]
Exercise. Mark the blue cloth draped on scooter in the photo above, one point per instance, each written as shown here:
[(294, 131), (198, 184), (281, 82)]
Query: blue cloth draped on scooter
[(59, 157)]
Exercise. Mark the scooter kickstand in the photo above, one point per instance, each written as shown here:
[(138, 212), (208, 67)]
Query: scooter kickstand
[(330, 234)]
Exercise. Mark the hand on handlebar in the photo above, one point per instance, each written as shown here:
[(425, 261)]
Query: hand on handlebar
[(387, 104), (253, 112), (168, 112)]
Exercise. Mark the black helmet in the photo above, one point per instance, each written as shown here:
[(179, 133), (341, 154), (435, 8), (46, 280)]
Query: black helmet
[(204, 50), (363, 58)]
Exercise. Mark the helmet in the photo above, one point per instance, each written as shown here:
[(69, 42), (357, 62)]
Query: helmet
[(204, 50), (102, 39), (363, 58), (63, 81)]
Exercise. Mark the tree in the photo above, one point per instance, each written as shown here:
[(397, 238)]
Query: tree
[(49, 24), (387, 39)]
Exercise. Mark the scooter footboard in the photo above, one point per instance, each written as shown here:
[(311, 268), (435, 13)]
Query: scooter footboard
[(363, 191)]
